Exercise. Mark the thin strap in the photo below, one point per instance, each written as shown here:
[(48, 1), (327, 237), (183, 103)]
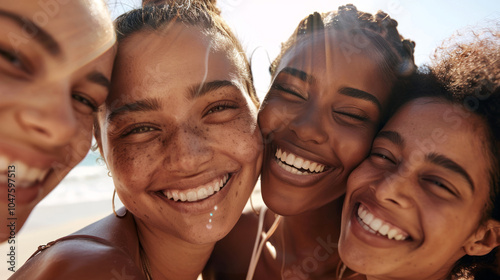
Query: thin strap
[(69, 237), (258, 246)]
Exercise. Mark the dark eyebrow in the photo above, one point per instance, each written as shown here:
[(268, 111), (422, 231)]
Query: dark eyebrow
[(392, 136), (357, 93), (206, 87), (99, 78), (299, 74), (43, 38), (145, 105), (449, 164)]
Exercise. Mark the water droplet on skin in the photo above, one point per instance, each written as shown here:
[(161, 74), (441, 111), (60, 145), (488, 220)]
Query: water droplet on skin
[(215, 207)]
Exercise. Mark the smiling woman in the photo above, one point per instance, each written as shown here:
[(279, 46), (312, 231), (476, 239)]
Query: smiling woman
[(179, 135), (55, 72), (424, 205)]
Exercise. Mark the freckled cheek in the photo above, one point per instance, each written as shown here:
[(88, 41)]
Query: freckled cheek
[(133, 163)]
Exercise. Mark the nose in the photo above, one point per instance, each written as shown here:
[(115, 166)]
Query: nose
[(396, 190), (188, 151), (309, 127), (51, 121)]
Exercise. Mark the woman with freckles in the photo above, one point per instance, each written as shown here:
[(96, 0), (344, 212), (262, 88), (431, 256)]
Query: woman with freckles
[(54, 73), (332, 88), (425, 203), (179, 135)]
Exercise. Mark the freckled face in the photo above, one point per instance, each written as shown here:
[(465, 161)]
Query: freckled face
[(318, 121), (410, 209), (54, 72), (179, 134)]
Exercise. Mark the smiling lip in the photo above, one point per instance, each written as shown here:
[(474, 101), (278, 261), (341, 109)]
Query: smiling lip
[(179, 198), (295, 169), (376, 225), (198, 193), (364, 229)]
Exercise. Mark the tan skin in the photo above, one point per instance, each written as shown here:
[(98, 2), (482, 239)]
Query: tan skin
[(54, 74), (325, 110), (191, 124), (409, 186)]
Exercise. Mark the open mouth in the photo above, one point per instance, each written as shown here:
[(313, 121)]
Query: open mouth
[(199, 193), (25, 176), (296, 164), (378, 226)]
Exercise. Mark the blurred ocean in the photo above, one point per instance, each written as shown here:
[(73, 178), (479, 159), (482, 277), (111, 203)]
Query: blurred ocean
[(87, 182)]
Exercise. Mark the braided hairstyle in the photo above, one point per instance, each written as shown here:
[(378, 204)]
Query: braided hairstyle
[(157, 15), (471, 72), (379, 31)]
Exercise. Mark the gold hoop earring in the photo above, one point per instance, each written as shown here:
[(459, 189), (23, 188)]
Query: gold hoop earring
[(113, 204)]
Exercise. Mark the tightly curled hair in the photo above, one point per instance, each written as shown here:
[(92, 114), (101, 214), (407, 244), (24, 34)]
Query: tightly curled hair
[(156, 15), (471, 72), (467, 74), (380, 29)]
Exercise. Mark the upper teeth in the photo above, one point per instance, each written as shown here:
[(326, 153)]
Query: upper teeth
[(297, 162), (198, 193), (25, 175), (378, 226)]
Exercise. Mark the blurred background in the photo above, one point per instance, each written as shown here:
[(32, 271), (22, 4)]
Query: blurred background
[(84, 196)]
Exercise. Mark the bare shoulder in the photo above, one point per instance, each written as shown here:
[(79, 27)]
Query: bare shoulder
[(84, 255), (231, 255)]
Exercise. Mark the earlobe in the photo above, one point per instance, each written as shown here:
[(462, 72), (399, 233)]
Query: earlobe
[(485, 239)]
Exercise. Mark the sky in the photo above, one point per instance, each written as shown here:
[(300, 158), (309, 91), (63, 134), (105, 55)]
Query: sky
[(261, 25)]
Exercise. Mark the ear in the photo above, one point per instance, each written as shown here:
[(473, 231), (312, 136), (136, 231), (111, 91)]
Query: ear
[(485, 239)]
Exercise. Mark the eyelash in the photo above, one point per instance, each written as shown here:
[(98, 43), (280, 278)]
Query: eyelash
[(14, 60), (221, 107), (382, 156), (85, 101), (353, 116), (136, 129), (287, 90)]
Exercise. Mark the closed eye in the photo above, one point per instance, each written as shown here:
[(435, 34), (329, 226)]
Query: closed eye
[(288, 90)]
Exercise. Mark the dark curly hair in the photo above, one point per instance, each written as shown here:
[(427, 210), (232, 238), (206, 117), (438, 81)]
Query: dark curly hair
[(467, 74), (155, 15), (380, 30), (471, 72)]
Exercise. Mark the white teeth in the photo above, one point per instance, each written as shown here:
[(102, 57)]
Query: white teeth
[(392, 233), (376, 225), (191, 196), (298, 163), (384, 229), (290, 159), (25, 175), (306, 164), (4, 163), (202, 193), (198, 193)]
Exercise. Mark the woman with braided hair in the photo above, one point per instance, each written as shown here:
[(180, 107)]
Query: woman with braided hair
[(425, 203), (333, 86)]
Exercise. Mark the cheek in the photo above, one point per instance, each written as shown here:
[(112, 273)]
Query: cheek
[(353, 145), (132, 163), (80, 145), (274, 116)]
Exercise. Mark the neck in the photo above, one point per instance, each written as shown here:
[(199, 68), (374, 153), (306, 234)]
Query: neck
[(307, 243), (170, 257)]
